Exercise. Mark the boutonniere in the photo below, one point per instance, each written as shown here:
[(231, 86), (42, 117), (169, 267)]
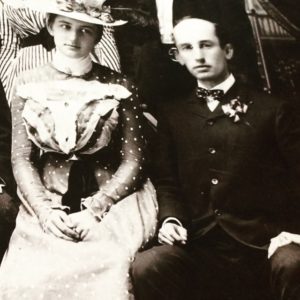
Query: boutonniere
[(235, 109)]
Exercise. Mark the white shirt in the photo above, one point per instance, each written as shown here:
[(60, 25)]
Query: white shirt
[(224, 86), (165, 20)]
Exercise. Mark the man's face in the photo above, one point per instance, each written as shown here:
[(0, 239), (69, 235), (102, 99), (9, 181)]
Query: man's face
[(73, 38), (200, 51)]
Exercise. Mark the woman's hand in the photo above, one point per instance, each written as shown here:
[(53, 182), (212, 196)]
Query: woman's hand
[(59, 224), (83, 221), (99, 203)]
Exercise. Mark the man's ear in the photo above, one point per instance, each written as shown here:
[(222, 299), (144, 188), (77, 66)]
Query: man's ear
[(175, 56), (228, 48)]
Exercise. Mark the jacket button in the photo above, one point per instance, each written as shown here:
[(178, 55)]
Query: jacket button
[(217, 212), (212, 150), (214, 181), (210, 123)]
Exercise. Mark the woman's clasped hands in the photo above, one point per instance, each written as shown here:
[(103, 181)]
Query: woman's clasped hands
[(73, 227)]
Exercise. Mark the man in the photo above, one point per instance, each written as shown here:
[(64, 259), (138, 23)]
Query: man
[(8, 203), (146, 41), (228, 182)]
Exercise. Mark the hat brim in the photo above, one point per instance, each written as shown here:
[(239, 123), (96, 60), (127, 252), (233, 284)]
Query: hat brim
[(51, 7)]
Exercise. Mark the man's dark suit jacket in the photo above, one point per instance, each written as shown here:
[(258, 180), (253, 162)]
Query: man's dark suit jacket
[(243, 176), (8, 202)]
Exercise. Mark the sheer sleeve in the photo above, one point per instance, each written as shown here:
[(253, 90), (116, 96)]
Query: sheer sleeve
[(130, 172), (25, 159)]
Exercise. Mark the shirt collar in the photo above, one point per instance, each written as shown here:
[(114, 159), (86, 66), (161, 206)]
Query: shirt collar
[(72, 66), (224, 85)]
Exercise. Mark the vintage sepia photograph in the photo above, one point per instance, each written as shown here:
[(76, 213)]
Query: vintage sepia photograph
[(149, 150)]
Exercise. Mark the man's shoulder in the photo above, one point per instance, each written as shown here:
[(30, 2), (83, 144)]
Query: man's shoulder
[(262, 99)]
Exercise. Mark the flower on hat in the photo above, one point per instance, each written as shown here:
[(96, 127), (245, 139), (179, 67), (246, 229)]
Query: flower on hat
[(93, 8)]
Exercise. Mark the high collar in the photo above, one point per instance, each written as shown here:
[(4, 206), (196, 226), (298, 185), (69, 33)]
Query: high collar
[(224, 85), (72, 66)]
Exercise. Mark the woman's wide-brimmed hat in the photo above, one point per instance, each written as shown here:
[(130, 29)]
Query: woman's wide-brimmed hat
[(90, 11)]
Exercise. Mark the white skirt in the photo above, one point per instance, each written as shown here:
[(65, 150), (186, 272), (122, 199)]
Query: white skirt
[(40, 266)]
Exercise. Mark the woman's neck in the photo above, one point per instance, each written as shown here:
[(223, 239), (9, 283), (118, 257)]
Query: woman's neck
[(72, 66)]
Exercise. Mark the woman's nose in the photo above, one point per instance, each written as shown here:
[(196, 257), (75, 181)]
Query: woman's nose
[(73, 35)]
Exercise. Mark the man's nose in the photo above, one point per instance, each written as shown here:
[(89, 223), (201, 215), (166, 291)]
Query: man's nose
[(199, 54)]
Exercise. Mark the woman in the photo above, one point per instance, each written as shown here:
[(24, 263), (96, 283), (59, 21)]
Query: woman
[(35, 46), (77, 155)]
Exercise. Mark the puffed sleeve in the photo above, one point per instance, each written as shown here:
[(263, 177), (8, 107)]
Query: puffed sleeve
[(130, 172), (25, 160), (24, 20)]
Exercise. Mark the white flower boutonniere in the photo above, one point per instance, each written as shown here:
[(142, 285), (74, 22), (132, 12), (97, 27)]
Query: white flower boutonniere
[(234, 109)]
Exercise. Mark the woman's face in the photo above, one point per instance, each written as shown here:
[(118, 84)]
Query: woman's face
[(73, 38)]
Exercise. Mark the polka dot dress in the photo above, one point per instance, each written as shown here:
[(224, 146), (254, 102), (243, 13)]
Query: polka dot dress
[(105, 132)]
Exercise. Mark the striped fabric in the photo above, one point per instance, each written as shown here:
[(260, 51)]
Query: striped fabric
[(27, 22), (9, 46), (107, 50)]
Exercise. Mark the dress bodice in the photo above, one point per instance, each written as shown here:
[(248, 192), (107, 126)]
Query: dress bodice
[(71, 116)]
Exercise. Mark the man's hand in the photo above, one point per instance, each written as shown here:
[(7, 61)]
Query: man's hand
[(283, 239), (59, 224), (171, 233)]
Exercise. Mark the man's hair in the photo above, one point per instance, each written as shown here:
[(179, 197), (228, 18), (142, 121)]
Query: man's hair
[(221, 31), (51, 18)]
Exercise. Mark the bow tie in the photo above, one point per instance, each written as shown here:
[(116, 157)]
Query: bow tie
[(202, 94)]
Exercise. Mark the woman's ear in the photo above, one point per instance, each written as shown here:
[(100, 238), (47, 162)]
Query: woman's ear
[(49, 27), (228, 48)]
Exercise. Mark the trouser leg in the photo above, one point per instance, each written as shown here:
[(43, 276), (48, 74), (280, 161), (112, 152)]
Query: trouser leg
[(285, 273), (162, 273)]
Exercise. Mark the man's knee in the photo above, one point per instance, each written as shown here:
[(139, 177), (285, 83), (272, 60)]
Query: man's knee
[(285, 272), (161, 272), (159, 259), (286, 260)]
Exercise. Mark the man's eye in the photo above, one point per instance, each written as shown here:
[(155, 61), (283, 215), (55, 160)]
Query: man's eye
[(186, 47), (206, 45)]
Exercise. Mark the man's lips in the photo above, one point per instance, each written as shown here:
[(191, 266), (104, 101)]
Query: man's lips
[(201, 67)]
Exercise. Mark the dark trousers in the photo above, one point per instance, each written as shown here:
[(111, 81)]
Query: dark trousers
[(216, 267)]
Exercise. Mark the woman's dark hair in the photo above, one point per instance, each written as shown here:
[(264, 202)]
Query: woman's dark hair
[(51, 18)]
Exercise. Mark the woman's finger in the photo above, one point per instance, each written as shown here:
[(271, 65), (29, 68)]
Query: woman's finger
[(63, 228), (84, 233), (52, 229)]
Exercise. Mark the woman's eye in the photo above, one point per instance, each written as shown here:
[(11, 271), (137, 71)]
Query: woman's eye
[(86, 31), (64, 26)]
